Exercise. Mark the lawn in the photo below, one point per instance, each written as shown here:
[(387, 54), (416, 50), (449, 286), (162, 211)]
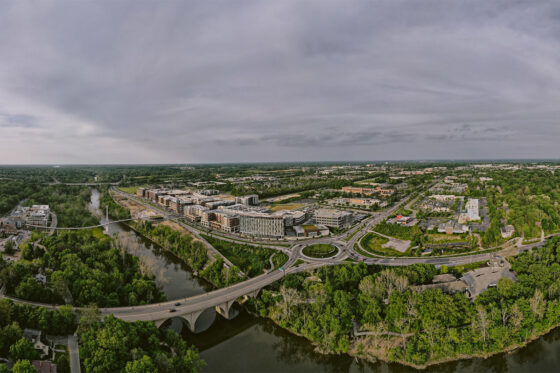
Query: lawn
[(129, 190), (436, 238), (250, 259), (286, 206), (373, 244), (320, 250)]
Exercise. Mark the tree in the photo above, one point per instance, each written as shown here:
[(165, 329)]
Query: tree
[(143, 365), (9, 247), (23, 350), (482, 323), (23, 366)]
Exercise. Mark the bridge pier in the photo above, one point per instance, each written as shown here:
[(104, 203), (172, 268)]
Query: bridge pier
[(191, 319), (159, 323), (252, 294), (223, 309)]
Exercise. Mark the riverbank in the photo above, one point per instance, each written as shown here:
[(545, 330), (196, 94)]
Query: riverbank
[(195, 273)]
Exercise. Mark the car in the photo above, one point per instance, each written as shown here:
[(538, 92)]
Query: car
[(177, 304), (173, 310)]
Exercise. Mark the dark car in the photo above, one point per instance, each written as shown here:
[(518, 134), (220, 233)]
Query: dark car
[(177, 304), (173, 310)]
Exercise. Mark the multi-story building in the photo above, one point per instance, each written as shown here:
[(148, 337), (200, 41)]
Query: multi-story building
[(141, 192), (261, 224), (333, 218), (209, 192), (250, 200), (228, 221), (194, 212), (38, 215)]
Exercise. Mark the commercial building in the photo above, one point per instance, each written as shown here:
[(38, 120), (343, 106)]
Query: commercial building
[(472, 209), (310, 230), (333, 218), (369, 191)]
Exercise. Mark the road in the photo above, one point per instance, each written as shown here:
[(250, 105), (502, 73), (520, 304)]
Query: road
[(74, 352), (162, 311)]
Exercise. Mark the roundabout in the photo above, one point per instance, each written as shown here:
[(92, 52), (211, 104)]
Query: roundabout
[(320, 251)]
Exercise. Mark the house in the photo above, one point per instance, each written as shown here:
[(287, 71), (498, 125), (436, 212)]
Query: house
[(40, 278), (44, 366), (507, 231), (35, 337)]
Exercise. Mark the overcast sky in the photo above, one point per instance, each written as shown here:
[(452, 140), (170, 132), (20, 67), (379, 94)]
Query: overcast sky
[(226, 81)]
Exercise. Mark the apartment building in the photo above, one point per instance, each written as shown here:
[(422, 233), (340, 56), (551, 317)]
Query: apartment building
[(194, 212), (227, 221)]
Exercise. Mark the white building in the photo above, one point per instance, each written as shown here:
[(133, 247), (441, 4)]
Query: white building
[(261, 224), (333, 218), (472, 209)]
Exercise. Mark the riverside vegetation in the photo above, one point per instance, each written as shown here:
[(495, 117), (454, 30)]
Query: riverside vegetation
[(416, 328)]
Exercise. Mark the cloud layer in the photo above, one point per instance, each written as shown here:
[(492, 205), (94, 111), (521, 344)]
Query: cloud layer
[(214, 81)]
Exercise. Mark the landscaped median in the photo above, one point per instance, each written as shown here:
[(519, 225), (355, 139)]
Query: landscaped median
[(252, 260), (320, 251)]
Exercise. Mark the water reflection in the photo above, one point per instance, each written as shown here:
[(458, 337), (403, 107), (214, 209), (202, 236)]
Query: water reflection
[(250, 344)]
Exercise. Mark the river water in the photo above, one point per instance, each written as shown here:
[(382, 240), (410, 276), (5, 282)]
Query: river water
[(250, 344)]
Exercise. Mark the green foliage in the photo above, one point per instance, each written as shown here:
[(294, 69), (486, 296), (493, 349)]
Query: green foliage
[(116, 211), (118, 346), (441, 325), (190, 250), (69, 202), (319, 250), (373, 244), (402, 232), (86, 267), (250, 259), (23, 350), (220, 275), (23, 366)]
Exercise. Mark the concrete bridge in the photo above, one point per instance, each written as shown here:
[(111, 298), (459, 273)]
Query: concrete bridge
[(191, 308)]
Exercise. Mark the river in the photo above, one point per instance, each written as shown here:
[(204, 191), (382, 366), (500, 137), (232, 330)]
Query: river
[(251, 344)]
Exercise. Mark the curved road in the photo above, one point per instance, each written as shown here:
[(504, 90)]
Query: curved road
[(161, 311)]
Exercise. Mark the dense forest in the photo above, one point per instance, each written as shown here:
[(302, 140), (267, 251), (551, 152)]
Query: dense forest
[(183, 245), (116, 211), (82, 267), (117, 346), (413, 327), (69, 203), (527, 199), (14, 318)]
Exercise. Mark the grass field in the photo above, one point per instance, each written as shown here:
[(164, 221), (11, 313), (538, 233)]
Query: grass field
[(373, 244), (286, 206), (129, 190), (250, 259), (320, 250)]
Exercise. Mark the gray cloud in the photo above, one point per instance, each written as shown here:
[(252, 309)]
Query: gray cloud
[(175, 81)]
